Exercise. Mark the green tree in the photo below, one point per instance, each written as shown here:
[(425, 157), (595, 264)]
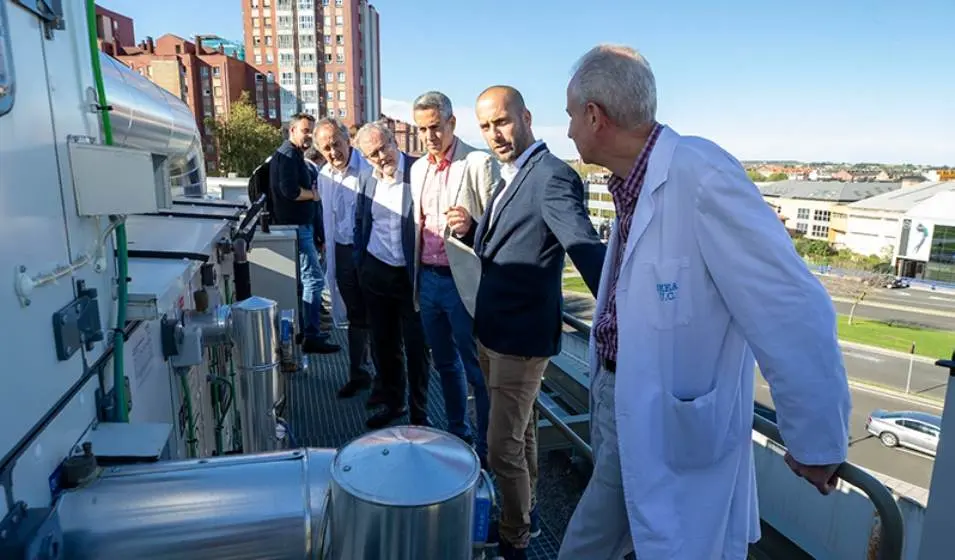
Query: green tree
[(777, 177), (755, 176), (244, 139)]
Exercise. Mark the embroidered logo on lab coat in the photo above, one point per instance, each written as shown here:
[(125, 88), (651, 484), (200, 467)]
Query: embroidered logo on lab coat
[(668, 291)]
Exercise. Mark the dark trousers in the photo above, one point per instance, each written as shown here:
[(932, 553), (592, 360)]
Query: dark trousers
[(359, 334), (390, 300)]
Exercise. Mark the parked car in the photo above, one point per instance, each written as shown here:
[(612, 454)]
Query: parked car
[(896, 283), (915, 430)]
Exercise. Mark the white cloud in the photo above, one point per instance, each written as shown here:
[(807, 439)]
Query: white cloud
[(467, 129)]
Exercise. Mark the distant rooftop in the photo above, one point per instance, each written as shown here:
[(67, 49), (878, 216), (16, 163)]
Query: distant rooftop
[(905, 199), (835, 191)]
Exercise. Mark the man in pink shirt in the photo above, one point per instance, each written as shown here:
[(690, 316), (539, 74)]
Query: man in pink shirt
[(452, 174)]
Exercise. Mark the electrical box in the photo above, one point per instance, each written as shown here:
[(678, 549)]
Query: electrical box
[(108, 180)]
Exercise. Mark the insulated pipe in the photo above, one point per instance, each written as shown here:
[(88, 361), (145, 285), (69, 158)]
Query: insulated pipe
[(239, 507)]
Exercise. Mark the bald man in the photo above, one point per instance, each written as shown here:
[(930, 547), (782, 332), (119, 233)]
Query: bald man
[(535, 216)]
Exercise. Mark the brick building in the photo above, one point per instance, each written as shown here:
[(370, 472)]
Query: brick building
[(207, 79), (113, 30), (324, 55)]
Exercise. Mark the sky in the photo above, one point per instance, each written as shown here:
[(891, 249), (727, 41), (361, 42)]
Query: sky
[(815, 80)]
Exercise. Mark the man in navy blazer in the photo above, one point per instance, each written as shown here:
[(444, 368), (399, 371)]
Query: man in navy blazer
[(384, 258), (535, 215)]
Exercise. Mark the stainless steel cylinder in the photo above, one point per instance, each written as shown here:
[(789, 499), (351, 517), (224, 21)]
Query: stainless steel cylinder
[(240, 507), (403, 493), (261, 384)]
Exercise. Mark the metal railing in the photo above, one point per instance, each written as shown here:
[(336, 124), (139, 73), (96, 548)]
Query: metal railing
[(891, 530)]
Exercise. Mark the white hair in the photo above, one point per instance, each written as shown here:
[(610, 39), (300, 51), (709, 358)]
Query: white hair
[(437, 101), (620, 81), (381, 127)]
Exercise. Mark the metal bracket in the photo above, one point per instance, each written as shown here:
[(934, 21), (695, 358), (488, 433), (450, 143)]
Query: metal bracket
[(950, 364), (50, 13), (78, 324), (106, 403)]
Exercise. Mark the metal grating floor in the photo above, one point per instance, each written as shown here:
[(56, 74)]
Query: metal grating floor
[(319, 419)]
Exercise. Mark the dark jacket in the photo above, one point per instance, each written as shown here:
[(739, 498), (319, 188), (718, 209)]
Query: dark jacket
[(363, 205), (288, 175), (540, 216)]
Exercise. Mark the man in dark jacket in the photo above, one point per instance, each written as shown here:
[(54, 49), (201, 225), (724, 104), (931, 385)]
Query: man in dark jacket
[(293, 199)]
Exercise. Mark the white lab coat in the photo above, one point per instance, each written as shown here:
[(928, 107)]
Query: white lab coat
[(709, 277)]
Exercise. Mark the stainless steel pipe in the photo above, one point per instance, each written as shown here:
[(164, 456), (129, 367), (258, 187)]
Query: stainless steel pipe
[(241, 507), (261, 390)]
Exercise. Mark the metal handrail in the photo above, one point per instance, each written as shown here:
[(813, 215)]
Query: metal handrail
[(892, 528), (582, 446)]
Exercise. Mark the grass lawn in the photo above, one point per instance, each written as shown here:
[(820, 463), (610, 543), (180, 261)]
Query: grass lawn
[(575, 284), (928, 342)]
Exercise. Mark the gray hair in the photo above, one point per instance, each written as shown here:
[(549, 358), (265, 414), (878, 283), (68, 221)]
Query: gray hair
[(620, 81), (381, 127), (336, 125), (437, 101)]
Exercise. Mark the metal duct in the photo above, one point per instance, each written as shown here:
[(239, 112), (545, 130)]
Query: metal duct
[(261, 387), (243, 507), (147, 117)]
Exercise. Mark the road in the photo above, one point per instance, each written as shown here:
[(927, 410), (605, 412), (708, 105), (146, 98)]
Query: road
[(928, 380), (864, 449)]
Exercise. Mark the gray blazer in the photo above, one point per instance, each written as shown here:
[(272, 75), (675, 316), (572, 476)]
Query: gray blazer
[(471, 179)]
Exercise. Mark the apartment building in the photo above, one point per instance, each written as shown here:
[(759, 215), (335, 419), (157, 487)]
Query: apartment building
[(208, 80), (113, 30), (323, 54)]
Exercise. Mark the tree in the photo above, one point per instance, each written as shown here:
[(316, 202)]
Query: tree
[(244, 139)]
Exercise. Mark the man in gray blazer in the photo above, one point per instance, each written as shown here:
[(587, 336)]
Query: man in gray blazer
[(452, 174)]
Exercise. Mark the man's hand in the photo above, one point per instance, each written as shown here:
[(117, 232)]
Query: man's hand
[(823, 477), (459, 220)]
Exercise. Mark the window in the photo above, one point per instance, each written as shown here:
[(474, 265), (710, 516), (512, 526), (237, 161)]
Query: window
[(328, 39), (305, 5), (802, 227), (342, 113), (285, 22), (329, 76), (339, 39), (287, 78), (802, 214), (258, 59), (308, 59), (268, 40), (306, 41), (216, 70), (330, 95), (328, 21), (821, 215), (342, 95), (255, 23), (254, 3), (267, 22), (306, 22), (328, 59), (268, 58), (340, 58), (286, 59), (338, 2), (272, 114), (204, 72), (285, 41), (820, 231), (218, 91), (284, 4), (324, 2), (308, 78), (341, 77), (267, 3), (309, 95), (339, 20)]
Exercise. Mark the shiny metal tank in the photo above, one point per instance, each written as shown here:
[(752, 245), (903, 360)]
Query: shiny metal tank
[(261, 383), (403, 493), (242, 507), (147, 117)]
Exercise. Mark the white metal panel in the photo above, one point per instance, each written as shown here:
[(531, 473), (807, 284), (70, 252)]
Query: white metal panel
[(162, 233), (32, 234), (109, 180), (156, 286)]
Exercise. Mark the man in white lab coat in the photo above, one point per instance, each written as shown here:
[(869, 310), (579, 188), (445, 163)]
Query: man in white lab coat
[(700, 276)]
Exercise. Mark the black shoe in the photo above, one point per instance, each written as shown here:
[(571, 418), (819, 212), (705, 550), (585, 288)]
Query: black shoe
[(352, 388), (385, 417), (376, 399), (319, 346), (507, 551)]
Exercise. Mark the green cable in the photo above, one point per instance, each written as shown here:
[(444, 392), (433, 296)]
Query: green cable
[(236, 419), (191, 440), (214, 371), (122, 248)]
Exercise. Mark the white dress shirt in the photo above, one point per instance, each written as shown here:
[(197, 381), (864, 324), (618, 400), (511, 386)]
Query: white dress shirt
[(508, 172), (387, 217), (344, 195)]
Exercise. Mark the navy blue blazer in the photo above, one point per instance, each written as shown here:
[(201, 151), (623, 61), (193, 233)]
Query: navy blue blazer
[(540, 217), (363, 205)]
